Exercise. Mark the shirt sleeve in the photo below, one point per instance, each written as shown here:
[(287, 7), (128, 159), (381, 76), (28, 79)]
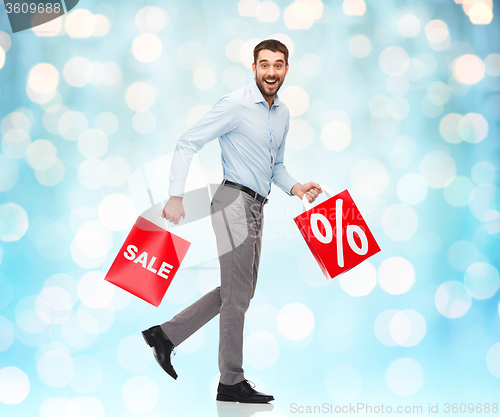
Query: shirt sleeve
[(281, 177), (221, 119)]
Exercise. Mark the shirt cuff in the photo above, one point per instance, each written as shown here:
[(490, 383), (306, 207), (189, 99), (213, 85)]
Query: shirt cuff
[(287, 184), (176, 189)]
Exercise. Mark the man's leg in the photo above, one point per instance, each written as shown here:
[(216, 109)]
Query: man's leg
[(195, 316), (239, 267), (189, 320), (237, 222)]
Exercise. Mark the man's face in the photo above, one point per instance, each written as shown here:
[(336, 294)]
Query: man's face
[(270, 71)]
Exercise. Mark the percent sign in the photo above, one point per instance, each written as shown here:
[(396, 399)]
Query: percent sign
[(350, 230)]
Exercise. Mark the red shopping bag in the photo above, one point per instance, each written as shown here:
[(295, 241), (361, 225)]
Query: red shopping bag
[(336, 233), (147, 261)]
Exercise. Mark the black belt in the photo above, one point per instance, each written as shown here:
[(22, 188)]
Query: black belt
[(249, 191)]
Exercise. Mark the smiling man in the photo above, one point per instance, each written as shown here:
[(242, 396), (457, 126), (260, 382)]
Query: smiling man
[(251, 124)]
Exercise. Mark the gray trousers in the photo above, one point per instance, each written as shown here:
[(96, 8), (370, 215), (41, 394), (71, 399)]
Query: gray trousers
[(237, 220)]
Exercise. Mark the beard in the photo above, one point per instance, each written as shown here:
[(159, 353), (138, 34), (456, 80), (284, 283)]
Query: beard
[(265, 89)]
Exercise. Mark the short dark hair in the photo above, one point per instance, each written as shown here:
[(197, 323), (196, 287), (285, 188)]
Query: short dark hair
[(273, 45)]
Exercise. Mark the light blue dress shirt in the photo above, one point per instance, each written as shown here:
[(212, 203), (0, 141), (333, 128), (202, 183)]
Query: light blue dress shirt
[(252, 140)]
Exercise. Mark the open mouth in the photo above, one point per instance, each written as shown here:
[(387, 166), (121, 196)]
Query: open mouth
[(271, 83)]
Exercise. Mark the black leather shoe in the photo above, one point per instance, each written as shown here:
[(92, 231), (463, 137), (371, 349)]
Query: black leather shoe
[(162, 348), (241, 392)]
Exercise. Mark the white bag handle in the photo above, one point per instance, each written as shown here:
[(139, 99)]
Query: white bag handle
[(305, 202)]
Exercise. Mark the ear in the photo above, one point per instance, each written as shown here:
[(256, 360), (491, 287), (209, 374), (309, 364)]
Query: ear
[(254, 69), (286, 69)]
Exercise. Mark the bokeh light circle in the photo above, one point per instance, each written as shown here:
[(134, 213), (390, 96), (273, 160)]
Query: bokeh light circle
[(399, 222), (448, 128), (369, 177), (107, 122), (92, 173), (204, 78), (15, 143), (88, 374), (91, 244), (14, 385), (360, 46), (117, 169), (462, 254), (78, 71), (151, 19), (396, 275), (411, 189), (117, 212), (394, 60), (80, 23), (458, 191), (9, 173), (144, 122), (482, 280), (52, 175), (473, 128), (261, 350), (93, 143), (13, 222), (336, 135), (400, 327), (85, 406), (483, 172), (127, 353), (43, 78), (140, 96), (71, 125), (296, 99), (310, 65), (404, 376), (468, 69), (295, 321), (42, 154), (7, 335), (300, 134), (482, 200), (55, 368), (52, 241), (147, 47), (359, 281), (493, 360), (438, 169), (452, 299), (409, 25), (140, 394), (94, 291)]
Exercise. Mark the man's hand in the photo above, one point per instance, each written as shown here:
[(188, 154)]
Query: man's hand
[(310, 189), (173, 210)]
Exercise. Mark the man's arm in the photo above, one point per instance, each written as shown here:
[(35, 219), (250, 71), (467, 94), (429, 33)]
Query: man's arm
[(281, 177), (310, 189), (285, 181), (221, 119)]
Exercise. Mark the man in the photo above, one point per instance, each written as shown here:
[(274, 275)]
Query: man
[(251, 124)]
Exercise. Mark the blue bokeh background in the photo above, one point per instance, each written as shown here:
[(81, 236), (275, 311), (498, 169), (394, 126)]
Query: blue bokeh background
[(398, 102)]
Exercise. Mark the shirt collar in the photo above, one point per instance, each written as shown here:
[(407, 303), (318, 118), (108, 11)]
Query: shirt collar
[(258, 97)]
